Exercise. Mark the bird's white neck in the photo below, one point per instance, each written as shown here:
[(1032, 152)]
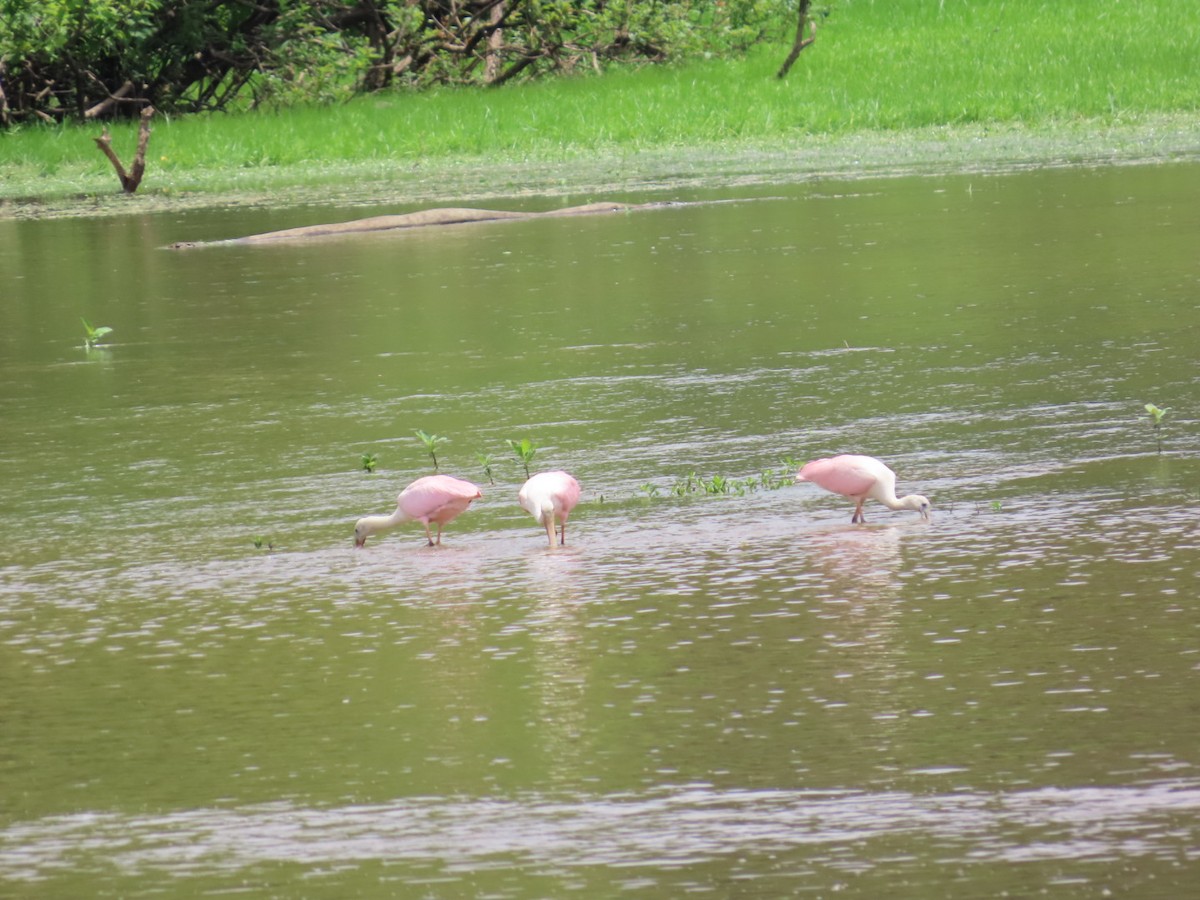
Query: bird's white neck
[(375, 524), (912, 501)]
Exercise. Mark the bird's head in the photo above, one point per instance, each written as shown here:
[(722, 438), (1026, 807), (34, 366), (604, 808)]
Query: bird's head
[(362, 531), (919, 503)]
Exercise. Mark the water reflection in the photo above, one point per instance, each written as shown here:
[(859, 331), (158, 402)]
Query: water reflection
[(863, 563), (668, 835)]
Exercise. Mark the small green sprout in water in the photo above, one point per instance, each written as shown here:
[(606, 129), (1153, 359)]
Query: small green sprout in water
[(691, 483), (525, 451), (486, 460), (650, 489), (369, 462), (1157, 415), (718, 484), (997, 506), (750, 485), (431, 442), (93, 335), (259, 541)]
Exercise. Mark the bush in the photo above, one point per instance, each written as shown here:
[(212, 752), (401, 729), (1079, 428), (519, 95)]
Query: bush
[(82, 59)]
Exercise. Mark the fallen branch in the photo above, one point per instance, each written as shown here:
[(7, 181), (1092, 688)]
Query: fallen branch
[(107, 103), (417, 220), (131, 179)]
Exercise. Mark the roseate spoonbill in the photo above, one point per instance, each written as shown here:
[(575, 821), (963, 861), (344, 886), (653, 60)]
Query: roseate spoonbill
[(435, 498), (861, 478), (550, 495)]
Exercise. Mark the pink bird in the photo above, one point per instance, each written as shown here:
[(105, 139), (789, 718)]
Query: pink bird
[(861, 478), (437, 499), (547, 496)]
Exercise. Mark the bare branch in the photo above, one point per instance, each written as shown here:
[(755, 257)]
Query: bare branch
[(131, 179), (803, 19)]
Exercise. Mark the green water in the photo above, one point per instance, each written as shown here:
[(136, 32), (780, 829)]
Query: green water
[(738, 695)]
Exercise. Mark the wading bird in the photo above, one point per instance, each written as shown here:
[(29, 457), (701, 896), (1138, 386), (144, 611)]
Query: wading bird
[(548, 496), (861, 478), (434, 499)]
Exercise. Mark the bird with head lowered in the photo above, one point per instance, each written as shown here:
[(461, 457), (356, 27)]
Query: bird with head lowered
[(434, 499), (860, 478)]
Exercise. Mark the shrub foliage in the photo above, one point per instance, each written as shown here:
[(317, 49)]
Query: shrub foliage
[(77, 59)]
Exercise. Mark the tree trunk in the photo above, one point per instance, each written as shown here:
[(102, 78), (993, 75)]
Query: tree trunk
[(801, 42), (491, 68), (131, 179)]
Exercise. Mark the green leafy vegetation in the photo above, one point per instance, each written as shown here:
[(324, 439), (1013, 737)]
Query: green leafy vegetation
[(694, 483), (431, 442), (525, 451), (486, 461), (963, 70), (92, 336), (369, 462), (69, 60), (1156, 415)]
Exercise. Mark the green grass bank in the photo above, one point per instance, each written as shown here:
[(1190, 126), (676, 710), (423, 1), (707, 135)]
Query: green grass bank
[(889, 85)]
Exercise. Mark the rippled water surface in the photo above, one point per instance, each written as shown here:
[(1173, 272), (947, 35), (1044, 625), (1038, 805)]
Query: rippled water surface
[(207, 690)]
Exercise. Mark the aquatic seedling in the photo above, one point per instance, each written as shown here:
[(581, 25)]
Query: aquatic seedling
[(525, 451), (93, 335), (431, 442), (1156, 415), (485, 461), (260, 541), (997, 506), (650, 489), (369, 462), (686, 485)]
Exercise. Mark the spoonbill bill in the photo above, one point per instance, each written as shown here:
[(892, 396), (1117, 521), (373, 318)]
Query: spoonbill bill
[(861, 478), (434, 499), (548, 496)]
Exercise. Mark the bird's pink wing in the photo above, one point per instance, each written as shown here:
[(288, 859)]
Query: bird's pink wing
[(426, 496), (567, 491), (841, 475), (554, 489)]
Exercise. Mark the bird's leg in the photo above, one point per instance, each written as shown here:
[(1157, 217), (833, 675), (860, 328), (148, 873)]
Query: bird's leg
[(439, 537), (428, 536), (564, 534), (858, 516)]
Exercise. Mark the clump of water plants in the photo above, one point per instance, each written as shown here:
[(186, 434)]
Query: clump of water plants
[(260, 542), (369, 462), (431, 442), (92, 336), (694, 483), (1156, 416), (525, 452)]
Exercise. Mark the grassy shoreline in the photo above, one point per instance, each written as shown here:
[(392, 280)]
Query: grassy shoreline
[(890, 88), (467, 180)]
